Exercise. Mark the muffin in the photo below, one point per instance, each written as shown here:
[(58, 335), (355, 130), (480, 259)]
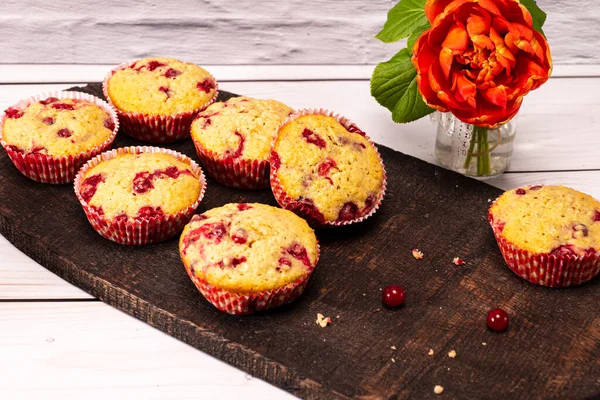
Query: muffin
[(233, 140), (157, 98), (248, 257), (549, 235), (325, 169), (50, 136), (139, 195)]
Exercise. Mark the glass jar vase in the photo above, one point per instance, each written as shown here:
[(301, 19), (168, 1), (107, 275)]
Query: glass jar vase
[(471, 150)]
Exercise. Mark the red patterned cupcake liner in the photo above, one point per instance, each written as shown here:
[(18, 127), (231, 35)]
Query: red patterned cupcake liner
[(249, 303), (140, 231), (155, 128), (232, 172), (56, 169), (556, 271), (307, 211)]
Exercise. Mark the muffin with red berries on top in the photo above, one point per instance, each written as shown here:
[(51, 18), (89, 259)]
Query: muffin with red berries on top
[(326, 169), (139, 195), (249, 257), (233, 140), (157, 98), (549, 235), (49, 137)]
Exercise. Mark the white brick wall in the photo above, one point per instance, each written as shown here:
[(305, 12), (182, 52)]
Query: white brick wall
[(240, 31)]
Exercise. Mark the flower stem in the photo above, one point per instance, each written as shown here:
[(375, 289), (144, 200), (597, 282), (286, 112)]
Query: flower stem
[(479, 136), (471, 147)]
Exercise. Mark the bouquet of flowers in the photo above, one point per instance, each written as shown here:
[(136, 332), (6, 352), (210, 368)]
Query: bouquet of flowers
[(474, 58)]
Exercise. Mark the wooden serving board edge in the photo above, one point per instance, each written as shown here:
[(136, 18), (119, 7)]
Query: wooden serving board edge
[(230, 352)]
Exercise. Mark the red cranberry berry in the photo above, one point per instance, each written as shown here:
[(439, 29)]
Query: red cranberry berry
[(393, 296), (497, 320), (109, 124), (172, 73), (153, 64), (64, 133), (597, 216), (49, 100), (206, 85), (313, 138), (520, 192), (48, 121), (348, 212), (237, 152), (13, 113), (63, 106)]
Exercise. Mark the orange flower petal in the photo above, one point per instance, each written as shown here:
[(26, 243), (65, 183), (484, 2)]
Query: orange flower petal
[(433, 8), (446, 60), (457, 39), (479, 24), (465, 90), (496, 96)]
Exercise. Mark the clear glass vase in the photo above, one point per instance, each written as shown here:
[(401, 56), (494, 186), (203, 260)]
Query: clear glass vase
[(471, 150)]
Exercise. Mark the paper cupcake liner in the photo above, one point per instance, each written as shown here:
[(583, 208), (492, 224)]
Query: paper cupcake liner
[(245, 304), (232, 172), (306, 211), (145, 230), (56, 169), (546, 269), (155, 128)]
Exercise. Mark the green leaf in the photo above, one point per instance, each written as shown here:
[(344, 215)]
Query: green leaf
[(394, 86), (402, 20), (412, 39), (538, 16)]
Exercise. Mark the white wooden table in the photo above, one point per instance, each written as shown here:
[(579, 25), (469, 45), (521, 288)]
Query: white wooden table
[(58, 342)]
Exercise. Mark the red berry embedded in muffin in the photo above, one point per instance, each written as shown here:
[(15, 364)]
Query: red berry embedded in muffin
[(49, 100), (90, 185), (13, 113), (63, 106), (172, 73), (299, 252), (497, 320), (206, 85), (240, 149), (244, 207), (165, 90), (393, 296), (48, 121), (109, 124), (64, 133), (348, 212), (312, 137), (147, 212), (240, 236)]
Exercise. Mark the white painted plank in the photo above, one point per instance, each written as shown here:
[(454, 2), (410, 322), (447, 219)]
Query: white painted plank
[(240, 32), (557, 124), (89, 350), (68, 73), (23, 278)]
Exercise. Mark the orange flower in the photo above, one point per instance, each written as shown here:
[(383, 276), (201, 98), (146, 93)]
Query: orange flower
[(479, 59)]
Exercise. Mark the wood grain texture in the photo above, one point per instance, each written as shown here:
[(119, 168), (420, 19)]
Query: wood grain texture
[(76, 350), (438, 211), (240, 32)]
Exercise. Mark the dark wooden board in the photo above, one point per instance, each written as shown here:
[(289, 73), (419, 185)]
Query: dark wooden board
[(551, 350)]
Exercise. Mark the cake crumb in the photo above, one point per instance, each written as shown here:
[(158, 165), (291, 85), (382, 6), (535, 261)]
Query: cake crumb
[(438, 389), (489, 200), (323, 321), (337, 316), (393, 347), (452, 354), (393, 360), (458, 261), (431, 352), (483, 343), (417, 254)]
